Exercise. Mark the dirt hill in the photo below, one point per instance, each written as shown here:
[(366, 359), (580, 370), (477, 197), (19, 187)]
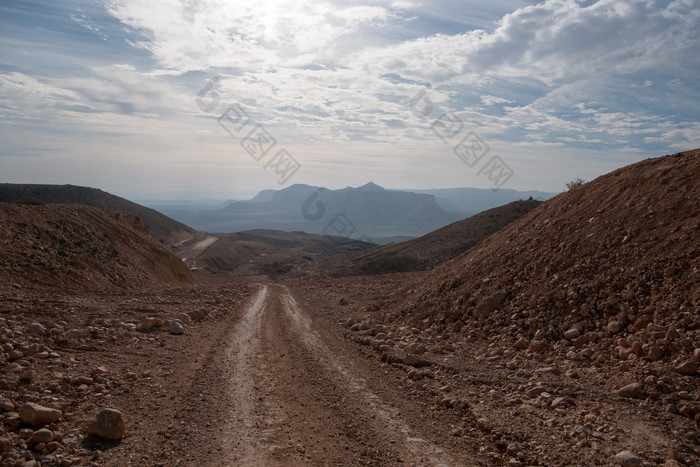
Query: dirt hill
[(160, 226), (431, 249), (83, 247), (580, 321), (623, 247), (256, 252)]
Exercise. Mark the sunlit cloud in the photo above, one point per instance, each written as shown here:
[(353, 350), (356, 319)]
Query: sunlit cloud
[(334, 80)]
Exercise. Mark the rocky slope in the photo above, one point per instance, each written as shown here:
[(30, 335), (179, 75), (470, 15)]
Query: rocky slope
[(429, 250), (600, 283), (615, 257), (82, 247), (160, 226)]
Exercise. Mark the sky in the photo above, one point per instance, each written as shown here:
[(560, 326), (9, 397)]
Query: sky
[(173, 99)]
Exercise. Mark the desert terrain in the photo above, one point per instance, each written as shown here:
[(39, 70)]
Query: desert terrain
[(568, 335)]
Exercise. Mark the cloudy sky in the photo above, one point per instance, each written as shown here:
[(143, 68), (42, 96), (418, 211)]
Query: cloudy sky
[(235, 96)]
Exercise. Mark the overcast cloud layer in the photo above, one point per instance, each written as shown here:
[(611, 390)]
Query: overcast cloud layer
[(105, 93)]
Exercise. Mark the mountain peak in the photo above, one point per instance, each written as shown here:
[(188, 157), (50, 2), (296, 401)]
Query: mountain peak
[(370, 187)]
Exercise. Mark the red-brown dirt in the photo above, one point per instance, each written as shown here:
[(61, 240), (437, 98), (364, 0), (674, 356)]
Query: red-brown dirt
[(565, 338), (596, 289), (429, 250), (82, 247)]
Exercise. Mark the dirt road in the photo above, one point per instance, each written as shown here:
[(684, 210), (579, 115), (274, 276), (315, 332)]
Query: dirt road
[(189, 254), (299, 398)]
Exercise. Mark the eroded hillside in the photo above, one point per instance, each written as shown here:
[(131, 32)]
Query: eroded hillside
[(580, 321), (82, 247)]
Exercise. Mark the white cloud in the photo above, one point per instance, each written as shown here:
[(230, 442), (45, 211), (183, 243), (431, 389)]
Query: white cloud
[(328, 78), (495, 100)]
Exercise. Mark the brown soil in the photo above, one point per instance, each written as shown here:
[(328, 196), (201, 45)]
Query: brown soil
[(159, 225), (469, 364), (83, 248), (255, 252), (600, 285)]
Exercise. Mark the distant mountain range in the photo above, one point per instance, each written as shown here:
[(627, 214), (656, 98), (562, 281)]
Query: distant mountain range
[(369, 212)]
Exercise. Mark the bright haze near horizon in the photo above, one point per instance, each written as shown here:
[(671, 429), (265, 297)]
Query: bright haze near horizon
[(165, 99)]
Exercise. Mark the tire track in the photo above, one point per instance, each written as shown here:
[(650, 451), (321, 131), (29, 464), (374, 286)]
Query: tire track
[(387, 420), (294, 401), (240, 445)]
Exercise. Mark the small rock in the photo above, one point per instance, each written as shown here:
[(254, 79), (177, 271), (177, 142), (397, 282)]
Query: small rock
[(627, 459), (411, 360), (78, 380), (146, 324), (656, 330), (5, 445), (43, 435), (6, 405), (534, 392), (572, 334), (562, 402), (490, 304), (537, 346), (175, 327), (580, 341), (688, 410), (184, 318), (548, 370), (36, 328), (624, 352), (196, 315), (28, 376), (35, 414), (99, 370), (12, 419), (696, 354), (688, 367), (631, 390), (614, 327), (627, 295), (521, 343), (655, 353), (108, 424)]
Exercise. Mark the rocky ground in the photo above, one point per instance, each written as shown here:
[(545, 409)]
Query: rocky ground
[(570, 337), (520, 404), (75, 355), (312, 373)]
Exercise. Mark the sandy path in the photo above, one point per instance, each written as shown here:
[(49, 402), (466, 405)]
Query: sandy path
[(297, 402), (195, 250)]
